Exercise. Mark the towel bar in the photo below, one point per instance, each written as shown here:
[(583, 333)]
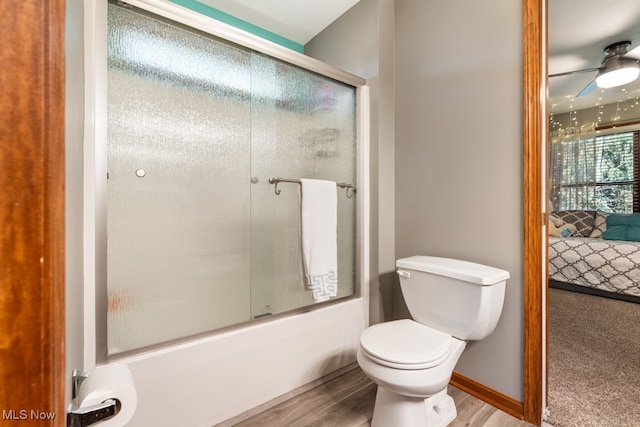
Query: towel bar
[(350, 189)]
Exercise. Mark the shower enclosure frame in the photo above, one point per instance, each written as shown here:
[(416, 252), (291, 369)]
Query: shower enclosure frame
[(95, 165)]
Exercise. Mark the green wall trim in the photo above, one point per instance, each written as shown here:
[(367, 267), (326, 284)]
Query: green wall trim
[(239, 23)]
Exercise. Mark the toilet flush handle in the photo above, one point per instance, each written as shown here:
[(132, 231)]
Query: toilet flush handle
[(404, 274)]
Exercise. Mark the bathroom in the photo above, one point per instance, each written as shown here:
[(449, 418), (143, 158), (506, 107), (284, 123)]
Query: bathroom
[(442, 175)]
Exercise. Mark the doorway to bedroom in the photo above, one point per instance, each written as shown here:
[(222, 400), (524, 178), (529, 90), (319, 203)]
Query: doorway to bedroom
[(593, 197)]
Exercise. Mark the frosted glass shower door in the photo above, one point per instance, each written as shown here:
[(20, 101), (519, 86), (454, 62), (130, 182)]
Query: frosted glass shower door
[(303, 125), (197, 240), (178, 189)]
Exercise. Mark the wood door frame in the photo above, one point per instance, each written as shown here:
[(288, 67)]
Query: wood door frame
[(32, 327), (534, 94)]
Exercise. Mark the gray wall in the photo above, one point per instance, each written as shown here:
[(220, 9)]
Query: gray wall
[(74, 179), (457, 96), (459, 156)]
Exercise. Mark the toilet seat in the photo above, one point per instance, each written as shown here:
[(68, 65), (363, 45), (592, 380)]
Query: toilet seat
[(405, 344)]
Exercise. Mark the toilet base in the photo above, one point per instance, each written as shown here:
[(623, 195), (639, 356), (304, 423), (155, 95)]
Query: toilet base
[(395, 410)]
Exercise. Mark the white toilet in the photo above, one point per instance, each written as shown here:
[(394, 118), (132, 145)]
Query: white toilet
[(411, 361)]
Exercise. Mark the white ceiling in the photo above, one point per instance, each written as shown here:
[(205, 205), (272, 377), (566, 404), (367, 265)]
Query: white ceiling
[(296, 20), (579, 30)]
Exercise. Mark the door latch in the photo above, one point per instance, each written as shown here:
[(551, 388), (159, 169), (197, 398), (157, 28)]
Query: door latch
[(86, 416)]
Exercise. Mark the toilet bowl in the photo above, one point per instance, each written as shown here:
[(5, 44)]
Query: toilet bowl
[(410, 373), (412, 361)]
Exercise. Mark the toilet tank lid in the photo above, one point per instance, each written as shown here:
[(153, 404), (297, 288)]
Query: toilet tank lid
[(454, 268)]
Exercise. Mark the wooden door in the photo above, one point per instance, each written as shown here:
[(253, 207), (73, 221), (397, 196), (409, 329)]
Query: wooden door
[(32, 212)]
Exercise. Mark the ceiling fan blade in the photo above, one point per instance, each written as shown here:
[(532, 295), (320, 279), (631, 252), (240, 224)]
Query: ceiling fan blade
[(633, 53), (568, 73), (588, 88)]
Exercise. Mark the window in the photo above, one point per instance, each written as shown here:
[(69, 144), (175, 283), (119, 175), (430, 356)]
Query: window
[(597, 173)]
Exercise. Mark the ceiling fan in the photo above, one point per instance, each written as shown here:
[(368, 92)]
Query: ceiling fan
[(618, 67)]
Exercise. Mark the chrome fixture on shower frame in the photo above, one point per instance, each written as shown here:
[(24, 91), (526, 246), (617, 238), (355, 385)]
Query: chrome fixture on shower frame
[(349, 187)]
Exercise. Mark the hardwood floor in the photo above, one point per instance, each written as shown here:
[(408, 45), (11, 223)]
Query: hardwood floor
[(347, 401)]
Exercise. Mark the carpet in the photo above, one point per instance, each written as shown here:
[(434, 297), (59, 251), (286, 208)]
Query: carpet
[(594, 361)]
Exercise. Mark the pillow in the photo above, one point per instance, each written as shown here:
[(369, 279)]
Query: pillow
[(583, 220), (623, 227), (599, 225)]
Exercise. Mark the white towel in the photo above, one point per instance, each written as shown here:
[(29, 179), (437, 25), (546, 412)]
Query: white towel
[(318, 223)]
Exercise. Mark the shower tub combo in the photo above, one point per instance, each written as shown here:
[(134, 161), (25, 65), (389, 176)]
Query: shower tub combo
[(197, 231)]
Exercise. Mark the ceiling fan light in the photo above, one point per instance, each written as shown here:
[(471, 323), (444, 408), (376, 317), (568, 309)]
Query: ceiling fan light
[(618, 77)]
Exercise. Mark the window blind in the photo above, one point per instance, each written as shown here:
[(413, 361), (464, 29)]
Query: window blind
[(598, 173)]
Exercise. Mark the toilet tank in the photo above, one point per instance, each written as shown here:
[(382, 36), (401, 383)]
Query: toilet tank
[(461, 298)]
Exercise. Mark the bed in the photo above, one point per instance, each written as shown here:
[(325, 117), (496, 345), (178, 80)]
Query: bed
[(587, 262)]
